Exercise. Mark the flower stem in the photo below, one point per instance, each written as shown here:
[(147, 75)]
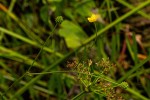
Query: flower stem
[(17, 80), (77, 96)]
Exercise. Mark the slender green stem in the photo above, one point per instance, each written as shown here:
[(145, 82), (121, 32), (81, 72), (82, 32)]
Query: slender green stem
[(39, 88), (41, 48), (98, 76), (117, 21), (108, 2), (135, 68), (30, 34), (51, 72), (95, 37), (137, 94), (92, 74), (130, 48), (28, 41), (95, 32), (16, 81), (78, 96), (32, 81), (132, 7), (145, 71), (5, 52), (12, 4), (24, 88)]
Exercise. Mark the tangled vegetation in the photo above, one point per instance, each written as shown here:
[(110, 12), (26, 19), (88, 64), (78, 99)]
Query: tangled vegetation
[(74, 50)]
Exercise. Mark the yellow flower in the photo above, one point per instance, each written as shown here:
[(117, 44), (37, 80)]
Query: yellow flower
[(93, 18)]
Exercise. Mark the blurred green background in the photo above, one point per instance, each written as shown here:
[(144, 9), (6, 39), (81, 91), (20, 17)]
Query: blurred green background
[(26, 24)]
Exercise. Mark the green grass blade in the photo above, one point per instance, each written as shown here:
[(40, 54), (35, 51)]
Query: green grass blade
[(135, 49), (137, 94), (118, 20), (31, 42), (132, 7), (24, 88), (21, 90), (130, 48), (134, 68), (29, 33), (17, 57)]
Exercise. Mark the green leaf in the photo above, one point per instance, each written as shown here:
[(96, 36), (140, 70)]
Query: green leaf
[(72, 33)]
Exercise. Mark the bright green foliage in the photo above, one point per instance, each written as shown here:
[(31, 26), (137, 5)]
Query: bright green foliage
[(72, 33), (43, 57)]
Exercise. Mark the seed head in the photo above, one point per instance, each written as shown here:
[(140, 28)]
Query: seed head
[(59, 19)]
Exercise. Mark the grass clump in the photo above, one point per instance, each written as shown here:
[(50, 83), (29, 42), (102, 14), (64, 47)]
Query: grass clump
[(36, 47)]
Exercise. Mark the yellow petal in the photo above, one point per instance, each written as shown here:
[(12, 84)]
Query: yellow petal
[(93, 18)]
